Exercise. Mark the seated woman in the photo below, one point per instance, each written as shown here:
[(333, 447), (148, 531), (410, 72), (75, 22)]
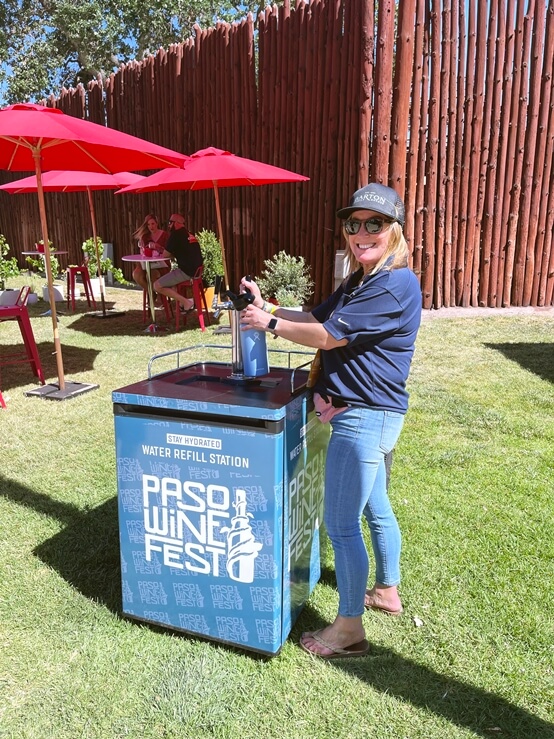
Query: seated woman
[(152, 239)]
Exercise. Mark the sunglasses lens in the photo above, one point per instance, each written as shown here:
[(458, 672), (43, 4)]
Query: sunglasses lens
[(352, 227), (372, 226)]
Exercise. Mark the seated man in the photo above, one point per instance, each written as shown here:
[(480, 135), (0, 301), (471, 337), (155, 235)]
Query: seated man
[(183, 247)]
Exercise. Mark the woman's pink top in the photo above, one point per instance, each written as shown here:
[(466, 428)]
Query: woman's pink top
[(159, 240)]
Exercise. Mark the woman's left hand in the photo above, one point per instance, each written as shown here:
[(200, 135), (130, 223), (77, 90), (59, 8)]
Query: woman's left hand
[(254, 318)]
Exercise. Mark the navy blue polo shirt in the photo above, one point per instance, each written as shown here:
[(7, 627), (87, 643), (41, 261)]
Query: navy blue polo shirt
[(380, 319)]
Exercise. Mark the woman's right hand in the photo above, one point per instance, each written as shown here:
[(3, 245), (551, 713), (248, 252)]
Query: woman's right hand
[(324, 409)]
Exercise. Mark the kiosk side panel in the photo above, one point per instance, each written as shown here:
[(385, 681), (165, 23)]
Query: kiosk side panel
[(306, 442)]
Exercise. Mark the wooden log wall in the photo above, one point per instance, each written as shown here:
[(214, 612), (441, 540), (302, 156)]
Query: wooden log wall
[(450, 103)]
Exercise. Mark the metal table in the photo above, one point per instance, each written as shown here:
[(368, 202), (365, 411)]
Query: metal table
[(153, 328)]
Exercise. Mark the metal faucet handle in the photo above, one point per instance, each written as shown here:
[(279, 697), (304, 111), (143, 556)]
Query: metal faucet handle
[(233, 301), (242, 300), (218, 282)]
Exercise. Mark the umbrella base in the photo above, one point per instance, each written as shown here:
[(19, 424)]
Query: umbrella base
[(48, 313), (106, 314), (52, 391)]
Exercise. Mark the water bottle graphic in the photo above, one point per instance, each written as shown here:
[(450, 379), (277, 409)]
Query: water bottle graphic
[(255, 360), (242, 547)]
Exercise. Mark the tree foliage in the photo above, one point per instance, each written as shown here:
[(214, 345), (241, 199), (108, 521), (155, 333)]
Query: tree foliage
[(50, 44)]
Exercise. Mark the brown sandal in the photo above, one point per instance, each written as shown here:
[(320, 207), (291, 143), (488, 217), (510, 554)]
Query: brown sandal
[(359, 649)]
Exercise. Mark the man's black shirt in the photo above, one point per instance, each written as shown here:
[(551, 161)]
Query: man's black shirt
[(187, 253)]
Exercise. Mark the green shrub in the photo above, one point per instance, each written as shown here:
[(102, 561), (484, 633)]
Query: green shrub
[(8, 267), (211, 253), (286, 279), (106, 264), (38, 265)]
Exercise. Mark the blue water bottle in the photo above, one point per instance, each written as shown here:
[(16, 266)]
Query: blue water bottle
[(255, 360)]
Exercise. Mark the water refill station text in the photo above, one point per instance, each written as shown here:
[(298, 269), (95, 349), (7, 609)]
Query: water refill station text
[(220, 472)]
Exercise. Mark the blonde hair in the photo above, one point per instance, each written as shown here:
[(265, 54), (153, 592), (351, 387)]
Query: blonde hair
[(143, 230), (397, 247)]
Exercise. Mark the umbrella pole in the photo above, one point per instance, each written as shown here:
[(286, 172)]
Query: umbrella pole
[(218, 215), (49, 279), (98, 268)]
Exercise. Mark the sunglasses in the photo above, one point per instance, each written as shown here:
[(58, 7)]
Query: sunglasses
[(170, 222), (372, 226)]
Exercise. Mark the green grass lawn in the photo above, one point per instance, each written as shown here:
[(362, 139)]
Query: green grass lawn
[(472, 484)]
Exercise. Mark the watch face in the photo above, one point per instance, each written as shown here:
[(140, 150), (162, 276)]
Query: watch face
[(272, 324)]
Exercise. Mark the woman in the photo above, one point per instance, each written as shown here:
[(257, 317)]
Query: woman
[(366, 332), (152, 238)]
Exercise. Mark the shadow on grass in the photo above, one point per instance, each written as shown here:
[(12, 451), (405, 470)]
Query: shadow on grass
[(86, 554), (460, 703), (128, 324), (36, 310), (75, 359), (538, 358)]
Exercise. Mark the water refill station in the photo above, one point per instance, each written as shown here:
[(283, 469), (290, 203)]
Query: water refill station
[(220, 472)]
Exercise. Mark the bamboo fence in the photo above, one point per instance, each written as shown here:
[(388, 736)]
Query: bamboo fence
[(449, 103)]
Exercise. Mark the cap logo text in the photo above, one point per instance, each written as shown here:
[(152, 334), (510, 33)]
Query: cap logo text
[(371, 197)]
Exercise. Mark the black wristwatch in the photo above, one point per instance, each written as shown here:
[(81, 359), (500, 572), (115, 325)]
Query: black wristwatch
[(272, 325)]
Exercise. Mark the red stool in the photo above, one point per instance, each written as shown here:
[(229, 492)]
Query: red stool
[(199, 297), (19, 313), (166, 305), (72, 273)]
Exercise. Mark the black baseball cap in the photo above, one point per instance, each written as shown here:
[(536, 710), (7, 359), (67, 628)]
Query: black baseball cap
[(379, 198)]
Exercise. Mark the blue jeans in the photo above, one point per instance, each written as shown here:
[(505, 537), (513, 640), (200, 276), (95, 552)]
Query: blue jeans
[(356, 484)]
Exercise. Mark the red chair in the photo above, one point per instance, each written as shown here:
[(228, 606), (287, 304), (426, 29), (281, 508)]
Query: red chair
[(19, 313), (194, 288), (72, 273)]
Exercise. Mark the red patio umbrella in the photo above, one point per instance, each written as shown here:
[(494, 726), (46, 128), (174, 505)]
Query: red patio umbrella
[(36, 138), (78, 181), (215, 168)]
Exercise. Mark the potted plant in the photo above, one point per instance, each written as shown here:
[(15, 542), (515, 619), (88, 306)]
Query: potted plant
[(8, 268), (286, 280), (213, 261), (106, 264), (32, 297)]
